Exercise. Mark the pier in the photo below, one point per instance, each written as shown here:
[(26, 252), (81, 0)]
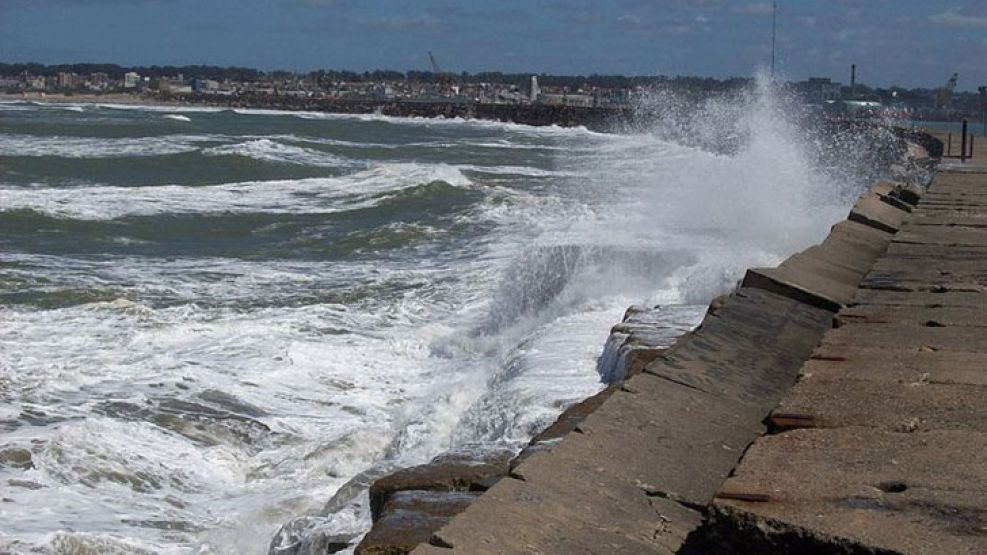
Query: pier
[(879, 446), (835, 403)]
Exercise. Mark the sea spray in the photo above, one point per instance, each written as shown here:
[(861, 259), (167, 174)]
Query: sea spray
[(213, 333), (676, 213)]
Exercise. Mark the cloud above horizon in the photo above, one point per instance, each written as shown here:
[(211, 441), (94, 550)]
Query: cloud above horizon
[(907, 42)]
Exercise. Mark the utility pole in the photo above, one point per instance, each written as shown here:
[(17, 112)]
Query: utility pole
[(983, 107), (853, 81), (774, 34)]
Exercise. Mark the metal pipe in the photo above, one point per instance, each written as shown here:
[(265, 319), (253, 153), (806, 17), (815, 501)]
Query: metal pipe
[(963, 144)]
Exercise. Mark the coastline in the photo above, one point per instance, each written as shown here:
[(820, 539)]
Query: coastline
[(597, 119), (777, 315)]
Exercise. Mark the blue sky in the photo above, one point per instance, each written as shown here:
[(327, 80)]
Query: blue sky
[(904, 42)]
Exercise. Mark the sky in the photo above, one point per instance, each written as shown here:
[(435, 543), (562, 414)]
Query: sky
[(893, 42)]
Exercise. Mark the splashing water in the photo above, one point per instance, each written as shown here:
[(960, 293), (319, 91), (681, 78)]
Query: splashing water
[(247, 323)]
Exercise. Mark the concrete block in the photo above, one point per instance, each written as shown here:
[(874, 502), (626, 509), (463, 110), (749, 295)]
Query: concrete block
[(871, 211)]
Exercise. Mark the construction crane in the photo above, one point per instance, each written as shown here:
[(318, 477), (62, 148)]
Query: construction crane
[(440, 76), (945, 96), (435, 65)]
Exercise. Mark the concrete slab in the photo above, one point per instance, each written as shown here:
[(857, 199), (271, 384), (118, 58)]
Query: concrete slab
[(870, 210), (747, 348), (628, 479), (913, 315), (858, 236), (895, 405), (583, 511), (802, 285), (932, 299), (898, 366), (908, 337), (857, 490), (942, 235)]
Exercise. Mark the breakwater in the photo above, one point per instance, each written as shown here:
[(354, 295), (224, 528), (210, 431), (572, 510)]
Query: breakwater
[(592, 117), (635, 468), (878, 448)]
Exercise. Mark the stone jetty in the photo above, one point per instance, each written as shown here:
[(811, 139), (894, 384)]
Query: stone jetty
[(879, 447), (831, 404)]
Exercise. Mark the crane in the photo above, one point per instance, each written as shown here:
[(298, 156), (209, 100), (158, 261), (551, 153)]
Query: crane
[(945, 96), (435, 65)]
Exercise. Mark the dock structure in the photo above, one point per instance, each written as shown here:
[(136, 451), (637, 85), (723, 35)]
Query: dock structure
[(881, 446), (836, 403)]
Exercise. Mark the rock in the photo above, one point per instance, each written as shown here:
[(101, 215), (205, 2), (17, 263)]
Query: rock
[(302, 536), (409, 518), (466, 470), (15, 457)]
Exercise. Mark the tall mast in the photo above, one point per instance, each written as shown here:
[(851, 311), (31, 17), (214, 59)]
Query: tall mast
[(774, 29)]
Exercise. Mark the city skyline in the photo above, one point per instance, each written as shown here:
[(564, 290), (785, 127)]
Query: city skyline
[(906, 43)]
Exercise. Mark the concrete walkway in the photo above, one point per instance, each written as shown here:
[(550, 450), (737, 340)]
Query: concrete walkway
[(881, 446)]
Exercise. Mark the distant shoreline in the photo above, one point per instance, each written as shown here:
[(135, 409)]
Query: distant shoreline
[(595, 118), (113, 98)]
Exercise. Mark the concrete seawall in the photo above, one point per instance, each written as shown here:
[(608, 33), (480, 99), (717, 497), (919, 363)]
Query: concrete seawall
[(879, 447), (635, 469)]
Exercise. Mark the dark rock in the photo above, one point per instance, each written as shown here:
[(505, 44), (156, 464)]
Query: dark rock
[(16, 457), (410, 517), (467, 470)]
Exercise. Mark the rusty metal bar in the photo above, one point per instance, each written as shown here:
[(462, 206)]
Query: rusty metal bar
[(963, 144), (741, 496), (782, 422)]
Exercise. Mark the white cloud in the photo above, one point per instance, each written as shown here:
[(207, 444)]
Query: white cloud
[(954, 18), (807, 21), (757, 8)]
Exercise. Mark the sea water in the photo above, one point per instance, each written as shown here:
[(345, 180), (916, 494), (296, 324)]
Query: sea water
[(211, 320)]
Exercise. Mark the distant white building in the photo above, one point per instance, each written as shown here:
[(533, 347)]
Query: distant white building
[(535, 91), (131, 80), (582, 100)]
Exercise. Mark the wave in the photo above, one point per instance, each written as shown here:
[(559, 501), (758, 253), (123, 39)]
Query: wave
[(323, 195), (267, 150), (98, 147), (176, 117)]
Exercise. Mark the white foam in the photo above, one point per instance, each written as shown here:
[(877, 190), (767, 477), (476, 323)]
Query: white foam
[(267, 150), (321, 195), (367, 363), (176, 117), (98, 147)]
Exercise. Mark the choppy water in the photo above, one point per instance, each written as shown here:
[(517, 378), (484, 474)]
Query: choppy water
[(210, 320)]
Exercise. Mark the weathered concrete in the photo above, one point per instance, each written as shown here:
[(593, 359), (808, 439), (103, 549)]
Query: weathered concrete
[(879, 446), (633, 469), (871, 210), (630, 479), (827, 276), (857, 490)]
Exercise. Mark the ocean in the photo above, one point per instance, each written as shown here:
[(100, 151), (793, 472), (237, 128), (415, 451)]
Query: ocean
[(211, 320)]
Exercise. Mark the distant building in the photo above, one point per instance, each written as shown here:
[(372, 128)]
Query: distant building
[(131, 80), (583, 100), (204, 85), (67, 80), (534, 89), (819, 90), (98, 81)]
